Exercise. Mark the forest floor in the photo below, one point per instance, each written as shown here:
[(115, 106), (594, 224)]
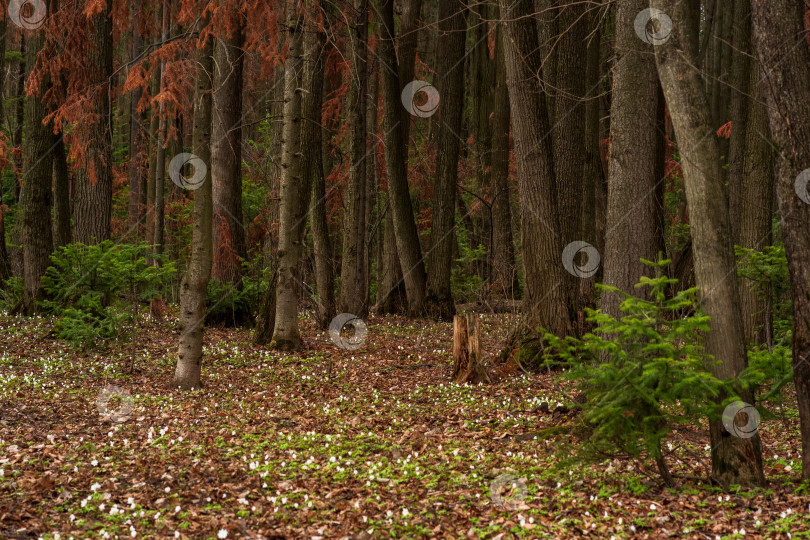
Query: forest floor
[(273, 447)]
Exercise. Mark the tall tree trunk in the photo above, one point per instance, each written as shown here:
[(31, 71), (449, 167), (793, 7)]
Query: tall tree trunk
[(93, 207), (601, 195), (785, 61), (135, 122), (439, 301), (61, 193), (632, 211), (735, 460), (154, 129), (569, 135), (740, 106), (548, 32), (195, 281), (544, 298), (226, 152), (5, 263), (175, 196), (276, 112), (503, 248), (293, 205), (312, 174), (481, 81), (160, 163), (407, 41), (391, 298), (15, 253), (718, 61), (593, 176), (756, 203), (352, 274), (751, 182), (36, 194), (321, 240), (3, 23), (372, 179), (17, 137), (407, 237)]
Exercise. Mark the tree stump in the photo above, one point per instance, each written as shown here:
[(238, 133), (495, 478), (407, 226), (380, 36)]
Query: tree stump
[(467, 351)]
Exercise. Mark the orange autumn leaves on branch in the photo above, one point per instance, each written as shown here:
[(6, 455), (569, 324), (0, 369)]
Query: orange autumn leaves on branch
[(73, 86)]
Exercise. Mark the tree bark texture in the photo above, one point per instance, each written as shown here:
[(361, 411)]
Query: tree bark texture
[(226, 152), (785, 62), (439, 301), (735, 460), (36, 197), (405, 232), (544, 296), (352, 275), (195, 282), (632, 231), (93, 207), (292, 207)]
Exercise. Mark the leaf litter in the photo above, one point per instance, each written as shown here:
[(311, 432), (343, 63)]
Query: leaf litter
[(334, 443)]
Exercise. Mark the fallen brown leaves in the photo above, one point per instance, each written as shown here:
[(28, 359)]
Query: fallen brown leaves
[(271, 448)]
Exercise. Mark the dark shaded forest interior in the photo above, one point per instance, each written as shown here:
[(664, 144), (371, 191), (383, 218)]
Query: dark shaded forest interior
[(401, 268)]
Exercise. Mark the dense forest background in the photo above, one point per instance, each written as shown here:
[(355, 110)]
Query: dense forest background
[(623, 183)]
